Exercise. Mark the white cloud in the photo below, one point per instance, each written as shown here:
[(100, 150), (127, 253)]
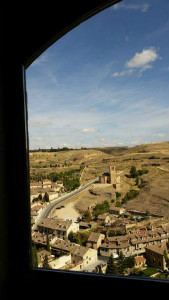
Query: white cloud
[(161, 135), (141, 61), (122, 73), (140, 7), (144, 59), (89, 130)]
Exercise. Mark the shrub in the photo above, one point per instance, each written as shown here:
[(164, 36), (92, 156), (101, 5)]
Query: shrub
[(129, 196), (141, 172), (118, 194), (133, 171), (101, 208)]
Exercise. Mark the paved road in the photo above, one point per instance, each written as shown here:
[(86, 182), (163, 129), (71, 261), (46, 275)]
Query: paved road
[(47, 210)]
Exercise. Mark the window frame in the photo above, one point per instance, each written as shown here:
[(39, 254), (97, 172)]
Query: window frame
[(15, 217)]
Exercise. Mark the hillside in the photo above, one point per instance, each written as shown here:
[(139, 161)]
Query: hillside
[(154, 197)]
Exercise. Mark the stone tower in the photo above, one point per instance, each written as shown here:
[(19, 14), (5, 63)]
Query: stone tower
[(113, 175)]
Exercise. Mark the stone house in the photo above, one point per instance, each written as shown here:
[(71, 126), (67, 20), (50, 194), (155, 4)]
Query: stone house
[(104, 219), (155, 257), (41, 256), (84, 225), (46, 183), (34, 185), (95, 240), (108, 249), (58, 227), (35, 211), (133, 244), (62, 247), (35, 192), (116, 210), (40, 239), (83, 257), (140, 261), (45, 186)]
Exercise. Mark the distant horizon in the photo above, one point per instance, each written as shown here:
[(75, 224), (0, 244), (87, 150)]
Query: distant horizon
[(100, 87), (80, 148)]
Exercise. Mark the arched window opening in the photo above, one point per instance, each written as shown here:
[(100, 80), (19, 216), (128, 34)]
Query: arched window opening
[(99, 150)]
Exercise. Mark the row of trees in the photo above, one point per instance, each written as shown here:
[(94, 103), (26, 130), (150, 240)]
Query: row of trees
[(45, 198), (129, 196), (102, 208), (134, 172), (121, 265), (70, 178)]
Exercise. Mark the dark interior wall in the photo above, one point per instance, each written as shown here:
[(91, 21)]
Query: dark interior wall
[(27, 29)]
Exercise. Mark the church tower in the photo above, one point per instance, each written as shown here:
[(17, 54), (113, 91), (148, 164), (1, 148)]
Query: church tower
[(113, 175)]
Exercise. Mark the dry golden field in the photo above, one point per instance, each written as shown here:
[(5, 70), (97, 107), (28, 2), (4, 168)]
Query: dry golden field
[(154, 197)]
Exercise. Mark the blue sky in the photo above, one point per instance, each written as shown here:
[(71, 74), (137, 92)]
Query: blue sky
[(106, 82)]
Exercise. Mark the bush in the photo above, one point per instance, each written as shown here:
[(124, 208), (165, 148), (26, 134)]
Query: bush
[(124, 200), (141, 172), (87, 216), (70, 178), (132, 194), (133, 172), (118, 204), (79, 237), (118, 194), (101, 208), (129, 196), (142, 184)]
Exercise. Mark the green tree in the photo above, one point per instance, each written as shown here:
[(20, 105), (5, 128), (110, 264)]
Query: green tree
[(46, 197), (118, 204), (133, 171), (118, 194), (40, 197), (111, 266), (166, 257), (47, 243), (129, 262), (34, 257), (101, 208), (87, 216), (137, 180), (72, 237), (45, 264), (121, 264)]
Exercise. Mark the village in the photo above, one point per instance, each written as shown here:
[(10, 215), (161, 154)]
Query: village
[(106, 238)]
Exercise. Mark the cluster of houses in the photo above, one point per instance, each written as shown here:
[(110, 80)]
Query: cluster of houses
[(72, 254), (147, 246), (37, 192), (45, 186)]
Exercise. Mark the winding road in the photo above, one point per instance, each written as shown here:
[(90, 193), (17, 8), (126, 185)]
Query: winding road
[(47, 210)]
